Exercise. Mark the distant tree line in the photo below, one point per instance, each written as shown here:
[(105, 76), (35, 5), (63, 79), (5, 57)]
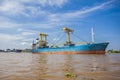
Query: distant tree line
[(16, 50), (2, 50), (113, 51)]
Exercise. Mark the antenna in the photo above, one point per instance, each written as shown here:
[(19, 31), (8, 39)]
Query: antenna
[(92, 33)]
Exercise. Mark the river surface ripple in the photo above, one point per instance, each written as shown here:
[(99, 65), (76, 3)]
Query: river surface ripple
[(28, 66)]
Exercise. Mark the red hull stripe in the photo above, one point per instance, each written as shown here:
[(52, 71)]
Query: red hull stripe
[(80, 52)]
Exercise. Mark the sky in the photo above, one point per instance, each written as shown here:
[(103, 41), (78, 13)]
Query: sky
[(21, 21)]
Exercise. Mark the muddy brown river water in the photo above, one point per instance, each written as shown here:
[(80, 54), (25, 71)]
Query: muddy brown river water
[(28, 66)]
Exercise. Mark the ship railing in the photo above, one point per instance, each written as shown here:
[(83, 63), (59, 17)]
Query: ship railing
[(62, 44), (78, 43)]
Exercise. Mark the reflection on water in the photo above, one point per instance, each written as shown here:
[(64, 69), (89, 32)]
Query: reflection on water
[(28, 66)]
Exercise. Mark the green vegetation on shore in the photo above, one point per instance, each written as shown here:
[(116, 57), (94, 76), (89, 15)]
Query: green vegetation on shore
[(30, 50), (16, 50), (113, 51)]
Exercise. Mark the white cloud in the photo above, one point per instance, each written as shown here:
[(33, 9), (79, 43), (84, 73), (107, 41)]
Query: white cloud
[(91, 9), (6, 37), (27, 33), (24, 43), (52, 19), (14, 41), (61, 19), (18, 7), (79, 13), (5, 22), (8, 25), (19, 29), (9, 41), (58, 3), (55, 39), (27, 40), (11, 7)]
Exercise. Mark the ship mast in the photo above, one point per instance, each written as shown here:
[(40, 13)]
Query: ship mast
[(43, 43), (68, 31), (92, 33)]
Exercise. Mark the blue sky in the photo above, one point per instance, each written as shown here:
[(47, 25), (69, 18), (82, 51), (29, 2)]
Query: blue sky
[(22, 20)]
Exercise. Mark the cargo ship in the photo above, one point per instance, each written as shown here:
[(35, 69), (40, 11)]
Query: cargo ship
[(68, 48)]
